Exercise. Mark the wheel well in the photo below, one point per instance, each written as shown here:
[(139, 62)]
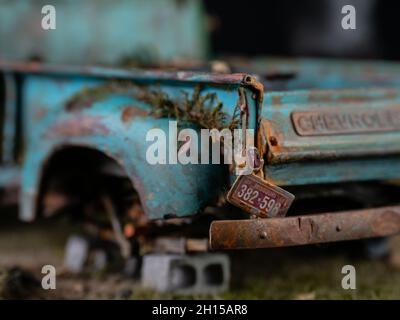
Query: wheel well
[(75, 178)]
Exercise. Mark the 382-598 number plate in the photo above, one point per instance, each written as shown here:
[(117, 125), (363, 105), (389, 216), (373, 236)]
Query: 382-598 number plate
[(256, 196)]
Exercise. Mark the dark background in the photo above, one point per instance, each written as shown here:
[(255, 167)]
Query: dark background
[(304, 28)]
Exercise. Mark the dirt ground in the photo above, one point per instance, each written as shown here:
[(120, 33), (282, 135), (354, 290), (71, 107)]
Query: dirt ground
[(312, 272)]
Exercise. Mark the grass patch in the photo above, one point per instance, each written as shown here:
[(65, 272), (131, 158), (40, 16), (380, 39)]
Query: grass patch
[(318, 278)]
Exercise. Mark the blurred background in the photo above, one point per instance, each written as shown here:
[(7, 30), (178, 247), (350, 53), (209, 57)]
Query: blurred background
[(105, 31), (304, 28)]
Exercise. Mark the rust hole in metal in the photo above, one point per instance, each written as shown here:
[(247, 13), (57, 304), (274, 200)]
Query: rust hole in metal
[(273, 141), (131, 112), (263, 235), (248, 79)]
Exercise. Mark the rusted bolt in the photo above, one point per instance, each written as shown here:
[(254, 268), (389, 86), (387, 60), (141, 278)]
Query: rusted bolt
[(263, 235), (273, 141)]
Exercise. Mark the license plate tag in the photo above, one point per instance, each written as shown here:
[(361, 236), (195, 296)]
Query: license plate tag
[(256, 196)]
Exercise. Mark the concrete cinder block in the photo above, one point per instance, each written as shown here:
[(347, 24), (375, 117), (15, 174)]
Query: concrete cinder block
[(206, 273)]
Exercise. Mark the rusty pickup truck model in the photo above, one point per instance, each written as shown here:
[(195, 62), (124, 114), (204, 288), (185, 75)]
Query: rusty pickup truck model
[(72, 135)]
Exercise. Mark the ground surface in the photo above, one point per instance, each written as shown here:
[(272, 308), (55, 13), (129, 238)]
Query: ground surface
[(295, 273)]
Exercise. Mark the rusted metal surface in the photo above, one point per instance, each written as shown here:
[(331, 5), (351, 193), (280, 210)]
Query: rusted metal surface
[(356, 152), (79, 126), (129, 73), (302, 230), (131, 112), (334, 122), (279, 74), (116, 126), (357, 107), (315, 85)]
